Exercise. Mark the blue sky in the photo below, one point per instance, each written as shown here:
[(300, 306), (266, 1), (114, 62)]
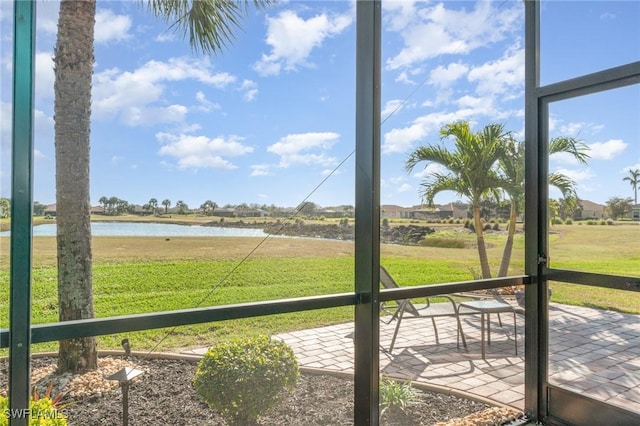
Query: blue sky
[(272, 116)]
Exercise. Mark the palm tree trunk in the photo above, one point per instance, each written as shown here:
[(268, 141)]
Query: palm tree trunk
[(73, 71), (508, 246), (482, 249)]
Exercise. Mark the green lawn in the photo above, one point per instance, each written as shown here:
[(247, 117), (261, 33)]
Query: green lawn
[(139, 275)]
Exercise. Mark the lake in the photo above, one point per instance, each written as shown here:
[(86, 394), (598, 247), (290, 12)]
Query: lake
[(145, 229)]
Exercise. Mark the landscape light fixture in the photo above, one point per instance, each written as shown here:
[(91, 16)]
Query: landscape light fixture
[(127, 347), (124, 377)]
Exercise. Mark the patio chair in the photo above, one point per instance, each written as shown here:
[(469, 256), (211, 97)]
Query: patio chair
[(425, 310)]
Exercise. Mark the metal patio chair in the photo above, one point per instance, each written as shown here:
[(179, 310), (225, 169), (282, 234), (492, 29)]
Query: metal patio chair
[(405, 307)]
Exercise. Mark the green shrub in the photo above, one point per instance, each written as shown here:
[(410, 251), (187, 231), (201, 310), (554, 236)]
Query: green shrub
[(451, 221), (395, 395), (43, 412), (603, 222), (591, 222), (496, 227), (568, 221), (243, 378), (486, 227), (440, 242), (556, 221), (385, 223)]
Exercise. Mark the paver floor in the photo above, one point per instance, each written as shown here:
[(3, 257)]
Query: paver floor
[(593, 352)]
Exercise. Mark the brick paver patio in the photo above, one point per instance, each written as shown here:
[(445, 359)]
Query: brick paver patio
[(593, 352)]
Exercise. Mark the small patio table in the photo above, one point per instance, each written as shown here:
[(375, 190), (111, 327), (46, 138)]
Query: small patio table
[(488, 307)]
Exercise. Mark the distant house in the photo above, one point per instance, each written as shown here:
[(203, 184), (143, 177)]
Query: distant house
[(251, 213), (223, 212), (50, 210), (590, 210), (452, 210), (635, 212), (391, 211), (333, 212)]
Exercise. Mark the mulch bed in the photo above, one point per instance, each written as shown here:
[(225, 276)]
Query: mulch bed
[(163, 395)]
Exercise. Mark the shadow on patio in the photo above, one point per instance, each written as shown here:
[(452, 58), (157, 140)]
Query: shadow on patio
[(592, 351)]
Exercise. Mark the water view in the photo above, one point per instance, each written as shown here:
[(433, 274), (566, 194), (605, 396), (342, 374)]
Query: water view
[(136, 229)]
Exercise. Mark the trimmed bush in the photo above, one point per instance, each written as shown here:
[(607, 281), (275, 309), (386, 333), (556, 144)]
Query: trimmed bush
[(556, 221), (568, 221), (496, 227), (442, 242), (243, 378)]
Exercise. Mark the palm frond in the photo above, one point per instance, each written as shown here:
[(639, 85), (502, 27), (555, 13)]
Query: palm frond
[(571, 146), (209, 24)]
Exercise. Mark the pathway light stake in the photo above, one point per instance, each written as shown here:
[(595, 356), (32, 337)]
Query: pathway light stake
[(124, 377), (127, 348)]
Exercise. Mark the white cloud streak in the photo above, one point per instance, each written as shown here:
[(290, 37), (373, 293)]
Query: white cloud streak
[(196, 152), (295, 149), (292, 39)]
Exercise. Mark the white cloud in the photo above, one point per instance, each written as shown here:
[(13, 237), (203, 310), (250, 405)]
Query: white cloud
[(205, 105), (403, 77), (405, 187), (574, 129), (47, 16), (402, 139), (260, 170), (130, 95), (581, 177), (500, 76), (294, 149), (444, 76), (111, 27), (607, 150), (433, 30), (195, 152), (45, 77), (250, 89), (292, 38), (391, 107)]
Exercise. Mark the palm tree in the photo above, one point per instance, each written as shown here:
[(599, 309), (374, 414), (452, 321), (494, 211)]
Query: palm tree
[(166, 203), (634, 180), (153, 205), (182, 206), (471, 166), (511, 166), (209, 25)]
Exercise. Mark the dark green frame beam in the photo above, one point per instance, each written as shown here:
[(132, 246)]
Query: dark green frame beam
[(367, 212), (21, 206)]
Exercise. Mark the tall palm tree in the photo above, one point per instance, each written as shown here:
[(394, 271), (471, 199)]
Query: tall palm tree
[(634, 180), (209, 25), (471, 165), (511, 166), (166, 203)]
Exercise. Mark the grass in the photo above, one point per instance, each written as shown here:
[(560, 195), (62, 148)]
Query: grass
[(137, 275)]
